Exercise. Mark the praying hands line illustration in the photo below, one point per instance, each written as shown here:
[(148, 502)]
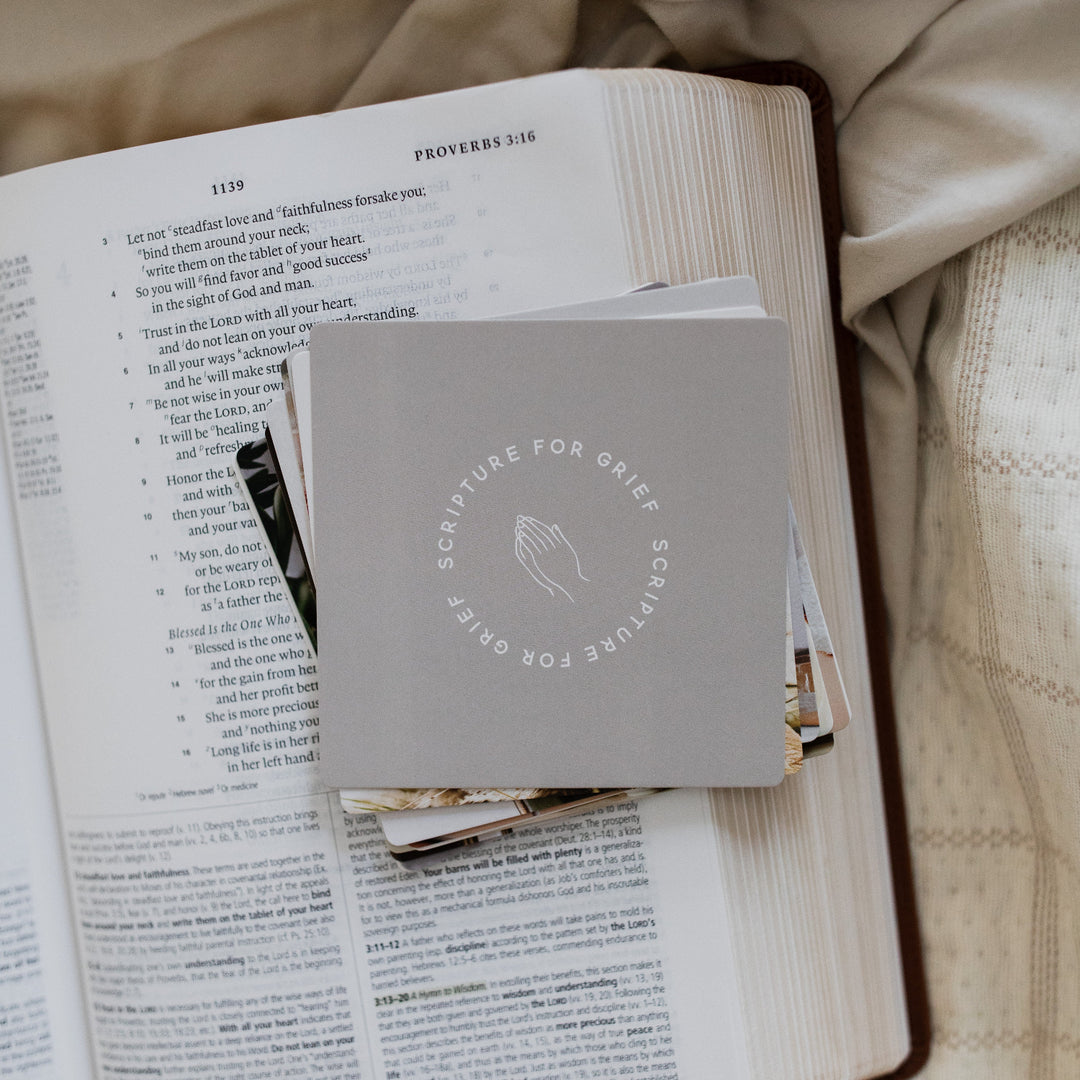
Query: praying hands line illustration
[(546, 554)]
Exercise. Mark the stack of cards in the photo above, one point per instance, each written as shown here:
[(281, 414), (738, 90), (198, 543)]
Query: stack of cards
[(276, 476)]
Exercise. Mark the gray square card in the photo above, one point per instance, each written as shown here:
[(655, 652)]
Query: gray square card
[(551, 554)]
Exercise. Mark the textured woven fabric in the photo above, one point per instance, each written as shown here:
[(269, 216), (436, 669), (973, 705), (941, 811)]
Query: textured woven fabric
[(988, 678)]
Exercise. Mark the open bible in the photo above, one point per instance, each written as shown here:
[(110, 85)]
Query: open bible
[(181, 894)]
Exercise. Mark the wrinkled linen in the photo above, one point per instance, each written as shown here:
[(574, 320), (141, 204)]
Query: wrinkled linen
[(988, 673), (957, 122)]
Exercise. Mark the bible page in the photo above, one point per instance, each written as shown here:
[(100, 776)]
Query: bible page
[(43, 1027), (229, 915)]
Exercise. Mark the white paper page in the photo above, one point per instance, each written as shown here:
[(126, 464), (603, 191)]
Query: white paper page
[(43, 1027), (146, 405), (657, 299), (214, 879), (300, 373), (826, 671), (751, 312), (593, 946)]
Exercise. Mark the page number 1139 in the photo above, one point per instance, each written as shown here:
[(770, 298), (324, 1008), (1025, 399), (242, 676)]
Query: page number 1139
[(227, 187)]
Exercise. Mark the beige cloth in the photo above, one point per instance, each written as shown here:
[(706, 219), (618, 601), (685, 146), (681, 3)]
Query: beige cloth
[(955, 120), (989, 672)]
